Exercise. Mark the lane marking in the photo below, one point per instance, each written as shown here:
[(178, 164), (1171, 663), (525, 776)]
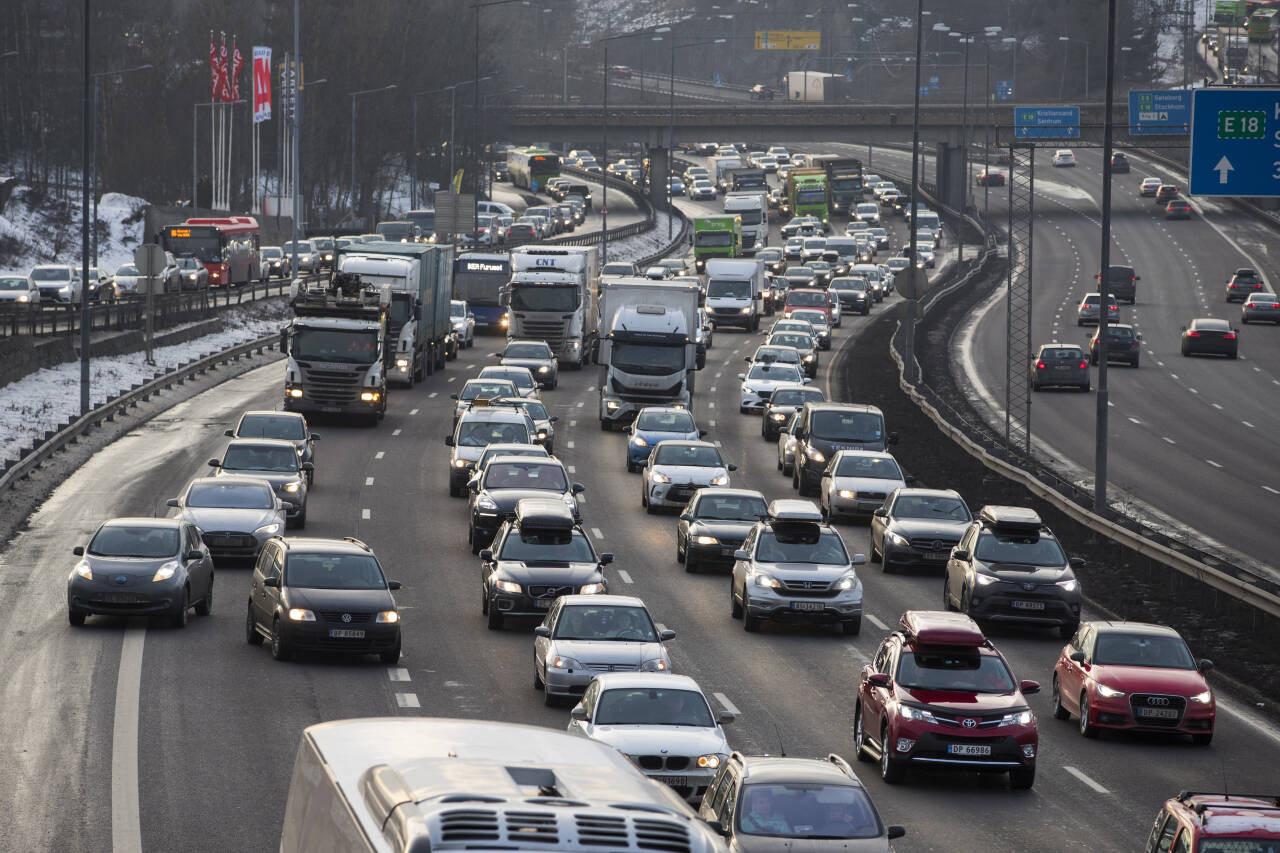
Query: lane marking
[(413, 411), (368, 481), (1271, 490), (569, 444), (1214, 464), (1249, 425), (452, 378), (626, 578), (595, 531), (126, 821), (397, 673), (1170, 440), (573, 423), (432, 394), (365, 514), (590, 388), (573, 469), (407, 700), (726, 704), (580, 404), (1216, 406), (1083, 777), (395, 432), (712, 423), (711, 404), (379, 454), (1135, 421), (871, 617)]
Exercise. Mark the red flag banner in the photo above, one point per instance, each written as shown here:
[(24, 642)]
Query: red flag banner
[(213, 68), (237, 63), (261, 84), (224, 73)]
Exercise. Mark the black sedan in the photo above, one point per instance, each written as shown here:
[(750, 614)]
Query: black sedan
[(854, 294), (506, 481), (918, 527), (1210, 336), (714, 525), (141, 566)]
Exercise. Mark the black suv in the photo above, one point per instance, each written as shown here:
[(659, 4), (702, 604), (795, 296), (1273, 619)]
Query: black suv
[(326, 595), (1009, 567), (766, 803), (1122, 283), (1119, 164), (825, 428)]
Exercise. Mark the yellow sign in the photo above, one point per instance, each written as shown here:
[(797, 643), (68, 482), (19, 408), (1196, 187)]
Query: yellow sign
[(179, 232), (788, 40)]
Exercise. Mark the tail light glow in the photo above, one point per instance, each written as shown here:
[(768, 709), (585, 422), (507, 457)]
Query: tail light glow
[(1230, 336), (1040, 365), (1193, 334)]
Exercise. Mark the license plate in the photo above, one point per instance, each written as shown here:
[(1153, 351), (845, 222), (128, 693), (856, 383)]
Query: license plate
[(118, 598), (1062, 368), (346, 634), (1027, 605), (543, 603), (334, 409), (937, 555), (815, 606), (968, 749), (674, 781), (1159, 713)]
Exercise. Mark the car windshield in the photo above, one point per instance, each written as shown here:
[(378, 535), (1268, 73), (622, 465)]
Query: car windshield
[(231, 496), (271, 426), (189, 264), (333, 571), (13, 284), (719, 288), (848, 426), (786, 355), (665, 422), (534, 409), (128, 269), (804, 297), (800, 543), (792, 339), (527, 351), (241, 457), (487, 390), (525, 475), (1115, 649), (548, 546), (1061, 354), (271, 254), (692, 455), (457, 309), (807, 811), (647, 359), (335, 346), (870, 467), (960, 670), (652, 706), (776, 372), (521, 378), (930, 506), (558, 298), (51, 274), (118, 540), (770, 255), (816, 318), (480, 433), (795, 396), (1030, 550), (605, 622), (730, 508)]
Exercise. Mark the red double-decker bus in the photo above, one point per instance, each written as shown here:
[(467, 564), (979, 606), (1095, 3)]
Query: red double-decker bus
[(227, 246)]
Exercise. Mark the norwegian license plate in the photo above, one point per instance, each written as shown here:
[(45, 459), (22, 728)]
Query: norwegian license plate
[(543, 603), (814, 606), (1027, 605), (968, 749), (674, 781), (1159, 713), (937, 555), (118, 597), (334, 409), (346, 634)]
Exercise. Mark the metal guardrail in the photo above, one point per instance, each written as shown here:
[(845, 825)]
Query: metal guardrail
[(628, 230), (15, 470)]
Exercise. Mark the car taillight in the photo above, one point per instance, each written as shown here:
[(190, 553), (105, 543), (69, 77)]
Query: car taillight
[(1084, 364), (1193, 334), (1040, 365), (1230, 336)]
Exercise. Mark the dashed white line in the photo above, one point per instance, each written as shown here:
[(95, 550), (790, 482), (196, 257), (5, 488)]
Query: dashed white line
[(590, 388), (573, 423), (1135, 421), (726, 704), (365, 514), (871, 617), (1216, 406), (1193, 391), (569, 444), (626, 578), (126, 817), (413, 411), (408, 700), (1214, 464), (1271, 490), (379, 454), (595, 531), (718, 443), (1249, 425), (1170, 440), (395, 432), (712, 423), (1083, 777), (580, 404), (432, 394), (368, 481), (573, 469), (711, 404), (397, 673), (454, 378)]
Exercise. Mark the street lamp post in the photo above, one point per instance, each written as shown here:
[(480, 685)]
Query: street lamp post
[(967, 38), (453, 103), (1062, 77), (475, 103), (354, 95), (671, 116), (93, 145)]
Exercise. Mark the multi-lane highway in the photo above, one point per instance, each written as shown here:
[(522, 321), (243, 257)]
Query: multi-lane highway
[(217, 721)]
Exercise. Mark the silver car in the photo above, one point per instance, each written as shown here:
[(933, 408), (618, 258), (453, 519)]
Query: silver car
[(857, 482), (534, 355), (128, 281), (236, 515), (308, 258), (677, 469), (521, 377), (290, 426), (584, 635), (58, 283), (275, 461), (18, 287), (464, 322)]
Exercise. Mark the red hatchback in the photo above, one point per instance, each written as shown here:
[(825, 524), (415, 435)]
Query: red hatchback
[(1135, 677), (813, 299), (938, 695)]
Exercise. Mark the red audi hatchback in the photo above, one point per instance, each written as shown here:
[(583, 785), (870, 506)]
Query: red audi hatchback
[(1135, 677)]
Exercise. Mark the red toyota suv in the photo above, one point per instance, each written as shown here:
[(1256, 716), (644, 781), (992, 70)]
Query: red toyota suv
[(939, 695), (1216, 823)]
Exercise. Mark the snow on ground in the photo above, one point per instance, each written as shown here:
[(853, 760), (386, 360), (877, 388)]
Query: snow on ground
[(46, 399), (48, 231), (642, 245)]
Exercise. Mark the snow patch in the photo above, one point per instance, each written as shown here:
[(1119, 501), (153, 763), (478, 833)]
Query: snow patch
[(38, 230)]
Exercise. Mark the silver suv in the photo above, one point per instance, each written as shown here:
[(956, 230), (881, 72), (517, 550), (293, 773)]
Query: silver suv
[(793, 566), (477, 428)]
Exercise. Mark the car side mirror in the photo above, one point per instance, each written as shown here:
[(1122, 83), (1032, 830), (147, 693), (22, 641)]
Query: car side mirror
[(859, 559), (577, 488), (740, 554), (732, 467), (724, 718), (486, 555), (195, 554), (542, 631), (448, 441), (578, 713), (702, 433), (1028, 687), (878, 679), (881, 513), (606, 559), (959, 554), (666, 635), (893, 438), (554, 418), (473, 485), (805, 381), (308, 466), (394, 585), (496, 355), (78, 550), (894, 831), (453, 396), (742, 376), (1205, 664), (718, 828), (229, 433), (1077, 562), (315, 436), (214, 463), (271, 582), (1078, 657), (747, 359)]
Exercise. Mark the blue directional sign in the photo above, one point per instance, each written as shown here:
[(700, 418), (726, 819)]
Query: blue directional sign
[(1046, 122), (1158, 111), (1235, 142), (1004, 90)]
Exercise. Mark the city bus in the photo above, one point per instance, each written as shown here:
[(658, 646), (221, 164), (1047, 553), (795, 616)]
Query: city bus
[(1262, 24), (479, 278), (227, 246), (531, 168)]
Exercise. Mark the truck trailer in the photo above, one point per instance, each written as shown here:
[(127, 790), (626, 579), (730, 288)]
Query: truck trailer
[(552, 296)]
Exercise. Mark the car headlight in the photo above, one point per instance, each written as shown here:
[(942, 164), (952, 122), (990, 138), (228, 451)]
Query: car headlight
[(24, 298), (387, 616), (1068, 586), (402, 363), (849, 581), (709, 762), (808, 358), (561, 662), (507, 586), (638, 441), (612, 405), (655, 665), (1203, 698), (591, 589), (659, 477), (918, 714), (814, 454), (721, 480), (1109, 692), (486, 503), (900, 541), (542, 433), (84, 570), (460, 463), (706, 540), (985, 580), (165, 571), (191, 276), (767, 581), (847, 494), (369, 396), (778, 416), (1017, 718), (269, 529), (292, 488), (295, 393), (746, 310), (298, 614), (544, 369)]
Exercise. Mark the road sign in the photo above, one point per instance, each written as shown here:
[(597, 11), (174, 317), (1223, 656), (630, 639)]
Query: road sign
[(1156, 111), (1235, 142), (788, 40), (149, 258), (1046, 122), (1004, 90)]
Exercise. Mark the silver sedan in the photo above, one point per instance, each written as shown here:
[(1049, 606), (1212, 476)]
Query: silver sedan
[(236, 515)]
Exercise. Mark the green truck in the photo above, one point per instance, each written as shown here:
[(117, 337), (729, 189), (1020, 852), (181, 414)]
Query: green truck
[(716, 237), (807, 194)]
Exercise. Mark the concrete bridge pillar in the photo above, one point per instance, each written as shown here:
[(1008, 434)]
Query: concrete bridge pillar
[(658, 159)]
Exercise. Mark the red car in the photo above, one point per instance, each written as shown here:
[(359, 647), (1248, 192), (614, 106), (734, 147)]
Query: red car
[(810, 299), (1135, 677), (938, 695), (1205, 822)]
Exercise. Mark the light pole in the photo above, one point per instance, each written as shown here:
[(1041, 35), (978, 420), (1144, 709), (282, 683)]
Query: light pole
[(1013, 77), (967, 38), (914, 271), (1062, 77), (93, 144), (1123, 52), (475, 103), (564, 96), (355, 95), (1100, 428), (453, 104), (9, 54), (671, 116)]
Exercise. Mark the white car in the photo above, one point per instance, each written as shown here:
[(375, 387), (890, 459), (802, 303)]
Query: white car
[(702, 190), (464, 322), (774, 355), (521, 377), (760, 380), (781, 153), (677, 469), (586, 634), (1064, 157), (58, 283), (868, 212), (662, 722), (856, 482), (879, 188), (18, 287), (767, 162)]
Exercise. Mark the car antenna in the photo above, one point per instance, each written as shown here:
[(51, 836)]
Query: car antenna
[(782, 749)]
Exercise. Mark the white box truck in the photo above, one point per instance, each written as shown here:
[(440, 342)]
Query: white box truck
[(752, 206), (552, 296), (735, 292)]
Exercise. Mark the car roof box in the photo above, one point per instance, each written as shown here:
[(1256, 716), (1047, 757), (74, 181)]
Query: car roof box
[(940, 628), (791, 510), (543, 514), (1011, 518)]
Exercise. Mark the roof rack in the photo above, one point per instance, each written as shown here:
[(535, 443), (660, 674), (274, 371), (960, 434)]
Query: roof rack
[(543, 514), (354, 541), (1011, 518), (842, 765), (941, 628), (793, 510)]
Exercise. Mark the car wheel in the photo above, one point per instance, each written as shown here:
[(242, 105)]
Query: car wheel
[(494, 622), (886, 564), (1086, 387), (1233, 356), (965, 603), (892, 772), (205, 606), (179, 617), (742, 410), (279, 647), (392, 655), (682, 554), (1093, 360), (1202, 739), (851, 627), (537, 676), (875, 554), (251, 634), (860, 751), (1134, 363), (795, 476), (632, 467), (750, 623), (311, 478), (1023, 778), (76, 616), (1087, 728), (736, 609), (473, 540), (946, 595), (1185, 351), (1059, 710)]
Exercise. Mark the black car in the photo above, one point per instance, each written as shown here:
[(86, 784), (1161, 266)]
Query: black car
[(507, 480), (535, 558), (1119, 164), (714, 524), (918, 527), (323, 595), (854, 294), (825, 428), (1210, 336), (1244, 283), (774, 261), (1124, 343), (783, 403)]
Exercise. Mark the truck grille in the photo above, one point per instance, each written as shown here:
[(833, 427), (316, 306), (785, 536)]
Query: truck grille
[(331, 386), (551, 331), (551, 830)]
